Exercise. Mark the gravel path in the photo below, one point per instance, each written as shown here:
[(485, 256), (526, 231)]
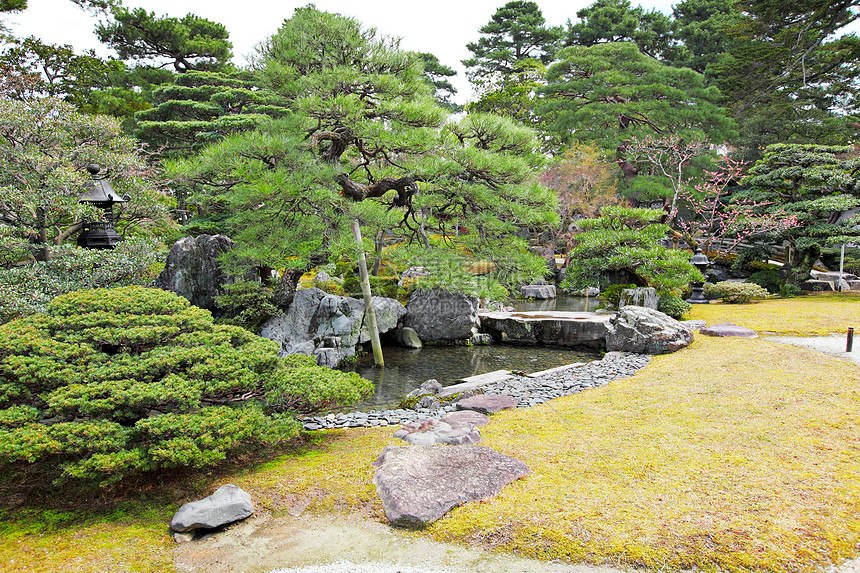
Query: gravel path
[(833, 345)]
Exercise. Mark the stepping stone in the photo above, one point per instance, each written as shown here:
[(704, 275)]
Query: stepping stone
[(486, 403), (420, 484), (465, 418), (728, 329), (432, 432)]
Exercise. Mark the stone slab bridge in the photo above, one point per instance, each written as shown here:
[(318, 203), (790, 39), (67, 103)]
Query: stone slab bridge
[(554, 328)]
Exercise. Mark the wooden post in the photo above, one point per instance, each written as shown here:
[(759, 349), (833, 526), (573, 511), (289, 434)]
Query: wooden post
[(368, 303)]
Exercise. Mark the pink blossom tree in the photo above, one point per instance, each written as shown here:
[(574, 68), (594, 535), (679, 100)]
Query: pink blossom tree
[(720, 223)]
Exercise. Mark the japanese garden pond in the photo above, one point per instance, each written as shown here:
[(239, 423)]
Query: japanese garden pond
[(406, 369)]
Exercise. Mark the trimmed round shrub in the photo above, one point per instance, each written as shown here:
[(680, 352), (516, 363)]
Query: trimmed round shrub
[(735, 293), (768, 279), (611, 295), (673, 305), (113, 382)]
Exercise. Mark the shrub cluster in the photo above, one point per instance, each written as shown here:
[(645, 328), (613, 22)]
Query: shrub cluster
[(611, 295), (768, 279), (673, 305), (735, 293), (27, 288), (112, 382), (247, 304)]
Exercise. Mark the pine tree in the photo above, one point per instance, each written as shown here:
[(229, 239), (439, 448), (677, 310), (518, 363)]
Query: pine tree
[(366, 141)]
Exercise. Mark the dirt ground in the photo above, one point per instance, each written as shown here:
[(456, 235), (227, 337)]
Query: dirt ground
[(264, 543)]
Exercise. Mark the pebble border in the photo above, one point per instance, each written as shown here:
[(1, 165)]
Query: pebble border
[(526, 390)]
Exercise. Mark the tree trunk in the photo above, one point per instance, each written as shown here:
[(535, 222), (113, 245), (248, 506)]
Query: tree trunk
[(285, 290), (802, 268)]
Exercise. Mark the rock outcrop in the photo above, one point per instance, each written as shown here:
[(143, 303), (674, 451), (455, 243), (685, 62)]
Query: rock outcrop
[(193, 271), (420, 484), (551, 328), (646, 331), (442, 317), (538, 291), (642, 296), (327, 326)]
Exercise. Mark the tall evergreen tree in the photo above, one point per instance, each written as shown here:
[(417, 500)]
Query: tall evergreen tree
[(201, 107), (187, 43), (517, 32), (436, 74), (607, 21), (701, 26), (787, 77), (607, 93), (366, 141)]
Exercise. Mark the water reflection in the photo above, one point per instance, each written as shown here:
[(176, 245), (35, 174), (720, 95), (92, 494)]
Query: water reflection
[(406, 369)]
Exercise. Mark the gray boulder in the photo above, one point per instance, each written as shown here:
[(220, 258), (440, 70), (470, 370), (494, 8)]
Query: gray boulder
[(646, 297), (441, 316), (817, 285), (431, 387), (229, 503), (408, 338), (538, 291), (328, 327), (420, 484), (646, 331), (192, 269)]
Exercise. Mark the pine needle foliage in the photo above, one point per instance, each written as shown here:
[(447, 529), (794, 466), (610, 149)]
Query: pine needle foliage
[(114, 382)]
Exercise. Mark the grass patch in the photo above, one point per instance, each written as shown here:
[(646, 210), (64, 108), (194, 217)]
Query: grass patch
[(810, 315), (752, 467)]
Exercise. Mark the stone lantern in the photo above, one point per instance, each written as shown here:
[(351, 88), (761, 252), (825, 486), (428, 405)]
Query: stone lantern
[(701, 262), (98, 192)]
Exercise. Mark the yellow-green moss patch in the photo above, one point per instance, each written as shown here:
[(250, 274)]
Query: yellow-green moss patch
[(735, 454), (817, 315)]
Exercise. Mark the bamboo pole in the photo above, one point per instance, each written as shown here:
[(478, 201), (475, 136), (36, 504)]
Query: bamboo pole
[(368, 300)]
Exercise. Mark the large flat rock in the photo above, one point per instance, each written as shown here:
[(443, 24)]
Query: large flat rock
[(420, 484), (551, 328)]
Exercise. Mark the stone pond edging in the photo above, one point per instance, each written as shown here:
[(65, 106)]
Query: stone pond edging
[(529, 390)]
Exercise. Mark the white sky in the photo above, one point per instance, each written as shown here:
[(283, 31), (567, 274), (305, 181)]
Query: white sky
[(441, 27)]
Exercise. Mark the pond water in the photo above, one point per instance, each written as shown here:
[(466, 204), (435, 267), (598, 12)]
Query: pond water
[(407, 369)]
